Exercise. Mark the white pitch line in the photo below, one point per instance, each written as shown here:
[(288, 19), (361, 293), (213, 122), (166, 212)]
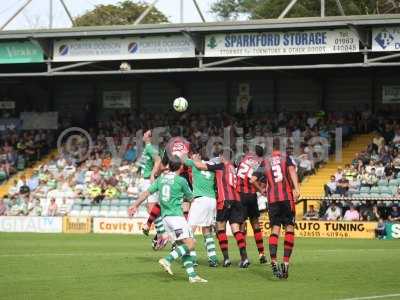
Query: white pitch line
[(374, 297), (65, 254)]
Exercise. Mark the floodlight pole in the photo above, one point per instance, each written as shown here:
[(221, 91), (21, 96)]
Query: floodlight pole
[(322, 8), (287, 9), (68, 12), (50, 14), (145, 13), (199, 11), (340, 7), (181, 10), (16, 14)]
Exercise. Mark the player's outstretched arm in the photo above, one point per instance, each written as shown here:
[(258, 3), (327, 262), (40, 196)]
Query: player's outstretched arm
[(199, 164), (134, 207)]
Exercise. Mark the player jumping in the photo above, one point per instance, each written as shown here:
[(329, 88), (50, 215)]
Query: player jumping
[(172, 190), (203, 208), (248, 195), (279, 173), (152, 161), (229, 207)]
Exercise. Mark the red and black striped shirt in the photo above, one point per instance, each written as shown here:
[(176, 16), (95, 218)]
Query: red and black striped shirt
[(225, 180), (249, 163), (274, 171)]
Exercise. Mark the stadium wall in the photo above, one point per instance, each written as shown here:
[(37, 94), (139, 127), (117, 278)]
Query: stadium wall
[(307, 229)]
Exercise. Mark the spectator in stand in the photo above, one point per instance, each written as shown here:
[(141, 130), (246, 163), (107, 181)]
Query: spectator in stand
[(394, 215), (3, 208), (34, 208), (52, 209), (351, 214), (64, 208), (339, 174), (333, 213), (369, 178), (311, 214), (380, 231), (330, 187), (342, 187)]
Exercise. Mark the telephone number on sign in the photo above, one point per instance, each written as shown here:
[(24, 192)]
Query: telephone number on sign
[(344, 48)]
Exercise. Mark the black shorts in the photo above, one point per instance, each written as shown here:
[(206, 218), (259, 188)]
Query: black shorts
[(280, 213), (250, 205), (232, 212)]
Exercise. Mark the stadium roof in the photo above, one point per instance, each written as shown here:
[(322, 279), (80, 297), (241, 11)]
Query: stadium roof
[(253, 25)]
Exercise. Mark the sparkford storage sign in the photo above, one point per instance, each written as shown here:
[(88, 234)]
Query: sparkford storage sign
[(326, 229), (129, 48), (282, 43)]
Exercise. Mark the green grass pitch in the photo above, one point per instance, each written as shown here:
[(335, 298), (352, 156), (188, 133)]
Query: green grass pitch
[(66, 266)]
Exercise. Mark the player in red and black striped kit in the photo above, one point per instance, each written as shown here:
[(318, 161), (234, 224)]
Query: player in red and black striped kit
[(279, 173), (248, 195), (229, 207)]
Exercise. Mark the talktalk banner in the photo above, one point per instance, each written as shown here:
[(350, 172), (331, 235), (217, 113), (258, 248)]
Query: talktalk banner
[(386, 39), (281, 43), (129, 48), (31, 224), (326, 229)]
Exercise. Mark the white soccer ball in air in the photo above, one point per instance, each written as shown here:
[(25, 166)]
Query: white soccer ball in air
[(180, 104)]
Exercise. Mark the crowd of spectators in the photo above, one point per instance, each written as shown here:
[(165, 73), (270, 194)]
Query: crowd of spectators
[(20, 149), (372, 180), (97, 175)]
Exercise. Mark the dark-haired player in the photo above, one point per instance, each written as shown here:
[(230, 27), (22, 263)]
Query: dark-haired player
[(279, 174), (248, 195), (229, 207), (172, 189)]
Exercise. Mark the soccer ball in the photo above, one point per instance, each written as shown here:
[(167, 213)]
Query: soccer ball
[(180, 104)]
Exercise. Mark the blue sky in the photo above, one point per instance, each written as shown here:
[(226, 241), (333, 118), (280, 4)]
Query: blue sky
[(36, 14)]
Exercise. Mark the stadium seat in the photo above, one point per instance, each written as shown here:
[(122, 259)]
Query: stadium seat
[(393, 182), (124, 202), (364, 189), (104, 210), (106, 202), (123, 212), (398, 175), (94, 212), (374, 190), (385, 190), (374, 195), (383, 182), (113, 213), (85, 212), (386, 195), (86, 202)]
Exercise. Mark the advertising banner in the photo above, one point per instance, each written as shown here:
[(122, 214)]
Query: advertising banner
[(390, 94), (36, 120), (31, 224), (116, 99), (20, 52), (386, 39), (281, 43), (129, 48), (327, 229), (392, 231), (77, 225), (7, 104)]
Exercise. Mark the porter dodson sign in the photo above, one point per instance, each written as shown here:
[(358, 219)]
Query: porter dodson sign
[(281, 43)]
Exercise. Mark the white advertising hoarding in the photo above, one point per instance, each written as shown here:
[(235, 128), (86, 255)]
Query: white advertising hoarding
[(281, 43), (31, 224), (386, 39), (129, 48), (390, 94), (37, 120), (116, 99), (7, 104)]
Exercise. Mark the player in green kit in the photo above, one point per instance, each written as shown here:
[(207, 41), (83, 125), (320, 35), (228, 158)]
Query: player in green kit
[(151, 164), (203, 208), (172, 190)]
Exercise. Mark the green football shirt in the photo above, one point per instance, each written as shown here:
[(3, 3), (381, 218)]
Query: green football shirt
[(148, 158), (203, 181), (172, 190)]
